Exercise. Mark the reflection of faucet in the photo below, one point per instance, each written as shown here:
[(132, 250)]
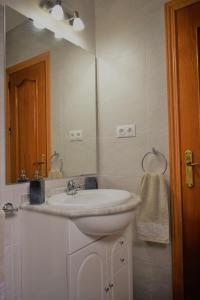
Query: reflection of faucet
[(72, 187)]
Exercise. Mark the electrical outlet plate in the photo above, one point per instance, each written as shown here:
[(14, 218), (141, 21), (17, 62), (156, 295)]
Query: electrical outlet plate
[(126, 131), (76, 135)]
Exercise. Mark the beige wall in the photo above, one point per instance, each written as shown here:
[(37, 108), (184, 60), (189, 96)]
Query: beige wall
[(131, 88), (130, 47)]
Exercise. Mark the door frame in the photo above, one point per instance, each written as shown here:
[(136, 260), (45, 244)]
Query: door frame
[(174, 144), (44, 57)]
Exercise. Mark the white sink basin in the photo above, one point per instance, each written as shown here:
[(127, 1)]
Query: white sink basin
[(98, 212), (90, 199), (104, 225)]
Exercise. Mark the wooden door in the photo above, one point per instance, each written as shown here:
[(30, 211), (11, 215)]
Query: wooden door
[(183, 25), (28, 117)]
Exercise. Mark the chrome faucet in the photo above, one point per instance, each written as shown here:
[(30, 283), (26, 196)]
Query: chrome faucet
[(72, 187)]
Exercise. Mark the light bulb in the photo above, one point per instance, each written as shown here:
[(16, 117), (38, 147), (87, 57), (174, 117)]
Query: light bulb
[(78, 24), (38, 25), (58, 35), (57, 12)]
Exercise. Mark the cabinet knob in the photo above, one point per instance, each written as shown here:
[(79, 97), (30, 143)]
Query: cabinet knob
[(111, 285), (107, 289), (122, 259), (121, 243)]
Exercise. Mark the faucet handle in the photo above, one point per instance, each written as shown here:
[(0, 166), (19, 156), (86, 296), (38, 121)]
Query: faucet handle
[(77, 186), (71, 184)]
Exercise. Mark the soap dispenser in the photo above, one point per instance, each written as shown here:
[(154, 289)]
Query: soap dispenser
[(37, 189)]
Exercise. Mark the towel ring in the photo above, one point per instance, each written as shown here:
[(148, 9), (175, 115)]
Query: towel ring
[(155, 152), (55, 154)]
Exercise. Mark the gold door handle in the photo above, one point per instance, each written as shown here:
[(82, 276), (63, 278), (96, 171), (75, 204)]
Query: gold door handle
[(193, 164), (43, 165), (189, 168)]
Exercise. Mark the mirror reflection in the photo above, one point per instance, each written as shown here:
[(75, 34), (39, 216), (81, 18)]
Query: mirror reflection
[(51, 106)]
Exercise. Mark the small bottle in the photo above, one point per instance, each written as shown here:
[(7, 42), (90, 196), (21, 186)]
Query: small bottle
[(37, 189), (91, 183), (22, 178)]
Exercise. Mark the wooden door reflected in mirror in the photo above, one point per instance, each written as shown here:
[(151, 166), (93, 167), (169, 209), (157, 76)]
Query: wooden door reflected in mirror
[(28, 117)]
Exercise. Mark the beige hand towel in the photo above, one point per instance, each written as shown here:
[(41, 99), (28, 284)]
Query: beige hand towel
[(152, 220), (2, 229)]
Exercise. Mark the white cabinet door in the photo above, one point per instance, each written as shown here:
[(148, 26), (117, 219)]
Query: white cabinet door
[(121, 269), (43, 240), (120, 289), (87, 271)]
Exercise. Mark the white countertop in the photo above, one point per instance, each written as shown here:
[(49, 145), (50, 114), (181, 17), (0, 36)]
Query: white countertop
[(81, 212)]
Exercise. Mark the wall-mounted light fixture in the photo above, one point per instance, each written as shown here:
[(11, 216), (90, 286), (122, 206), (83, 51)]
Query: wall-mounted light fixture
[(55, 8), (37, 24), (76, 22), (58, 35), (57, 11)]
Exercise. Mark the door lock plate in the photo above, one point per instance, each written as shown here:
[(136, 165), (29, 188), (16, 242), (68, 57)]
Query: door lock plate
[(189, 168)]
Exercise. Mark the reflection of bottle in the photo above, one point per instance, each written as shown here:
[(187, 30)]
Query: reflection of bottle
[(56, 170), (22, 178), (37, 189)]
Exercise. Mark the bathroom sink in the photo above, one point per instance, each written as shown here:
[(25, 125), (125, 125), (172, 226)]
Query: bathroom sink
[(103, 225), (90, 199), (98, 212)]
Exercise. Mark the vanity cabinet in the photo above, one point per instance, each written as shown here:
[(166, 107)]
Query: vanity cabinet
[(60, 262), (102, 270)]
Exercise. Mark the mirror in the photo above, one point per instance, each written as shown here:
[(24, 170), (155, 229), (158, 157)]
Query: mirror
[(51, 103)]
